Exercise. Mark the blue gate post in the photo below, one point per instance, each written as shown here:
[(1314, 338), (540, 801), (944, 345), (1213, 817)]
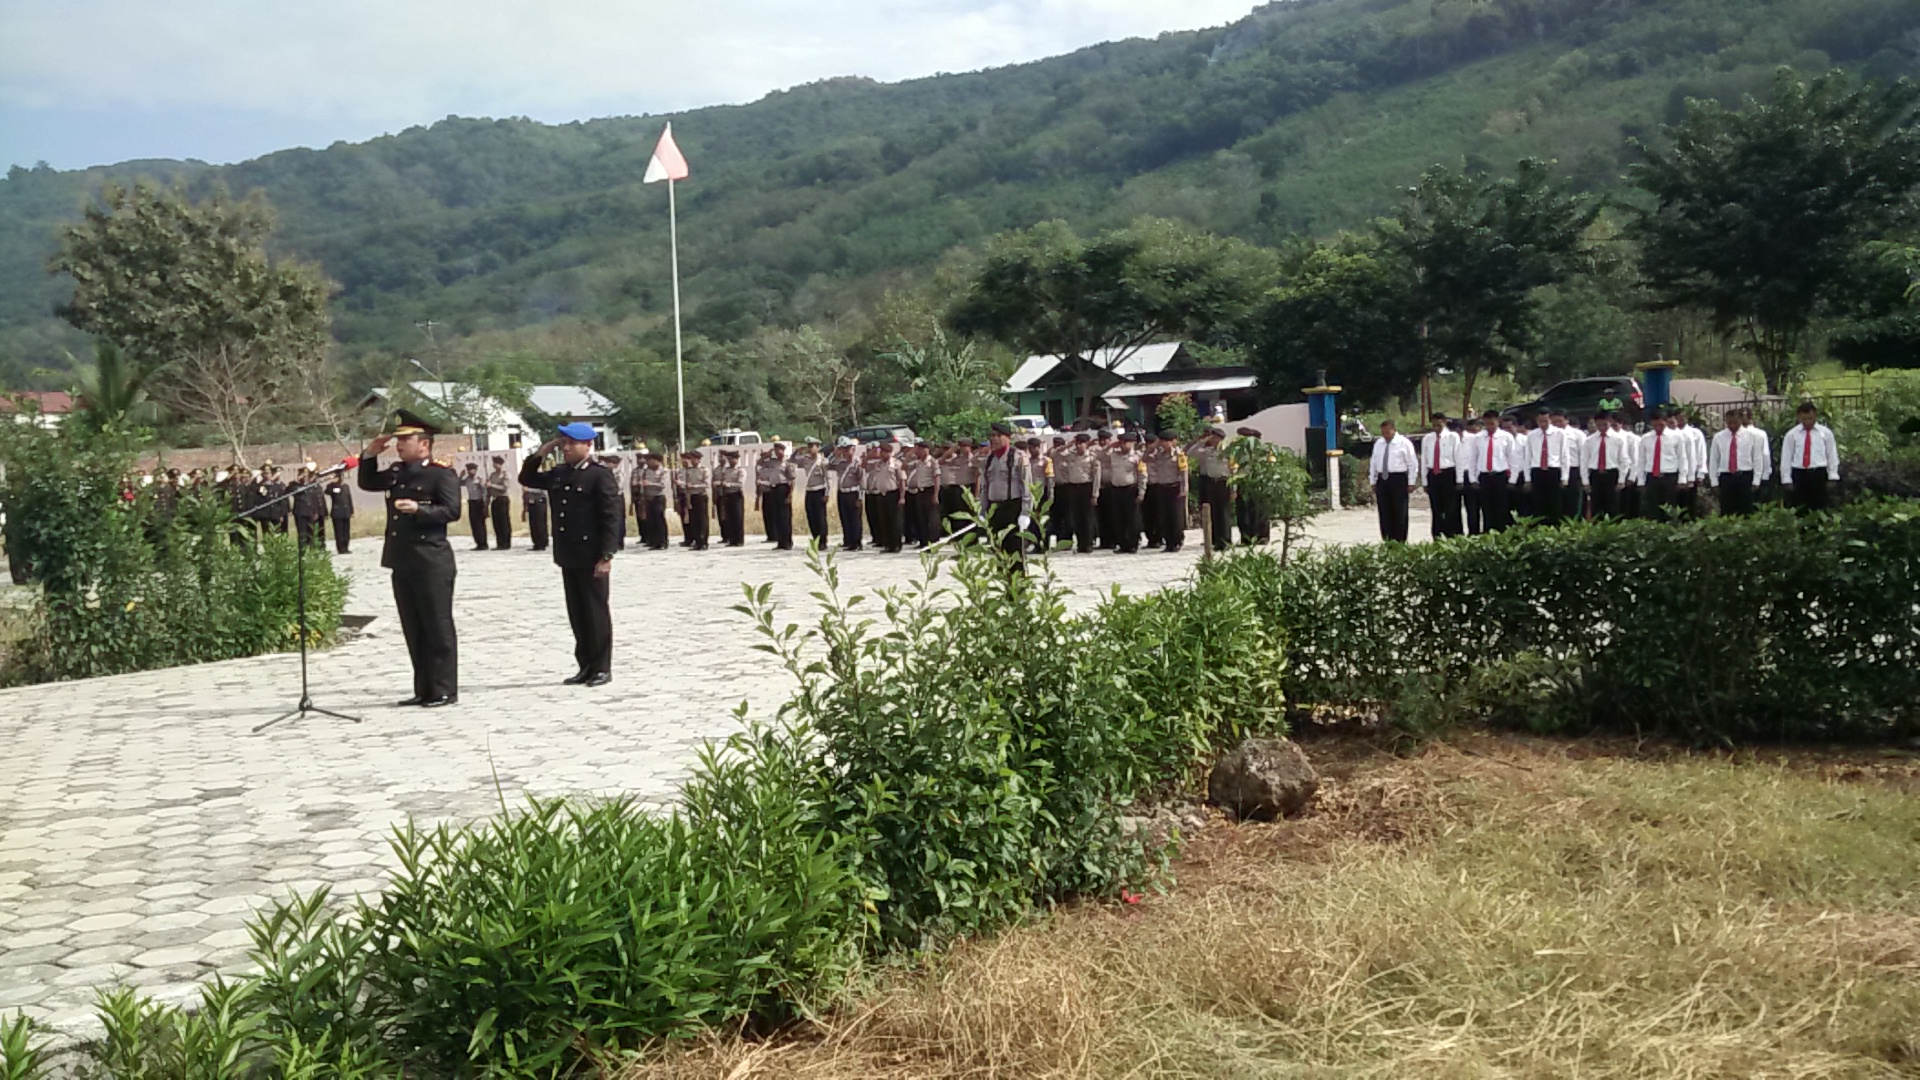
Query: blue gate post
[(1323, 411), (1656, 383)]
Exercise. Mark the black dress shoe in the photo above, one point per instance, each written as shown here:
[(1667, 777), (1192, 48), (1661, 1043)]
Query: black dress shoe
[(414, 700), (576, 679), (598, 678), (450, 699)]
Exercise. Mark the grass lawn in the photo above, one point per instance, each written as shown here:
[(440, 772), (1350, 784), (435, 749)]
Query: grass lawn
[(1489, 907)]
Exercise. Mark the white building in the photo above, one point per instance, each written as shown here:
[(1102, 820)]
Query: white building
[(495, 425)]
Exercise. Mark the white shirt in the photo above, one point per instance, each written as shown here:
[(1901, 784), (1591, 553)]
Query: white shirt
[(1753, 454), (1673, 453), (1620, 453), (1793, 451), (1694, 465), (1548, 444), (1504, 450), (1441, 450), (1393, 455), (1576, 447)]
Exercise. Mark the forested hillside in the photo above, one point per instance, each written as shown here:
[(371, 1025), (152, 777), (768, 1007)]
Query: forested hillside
[(1304, 117)]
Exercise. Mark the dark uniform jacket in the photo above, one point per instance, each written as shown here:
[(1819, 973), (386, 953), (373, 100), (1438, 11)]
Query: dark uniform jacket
[(340, 499), (310, 504), (420, 538), (587, 509)]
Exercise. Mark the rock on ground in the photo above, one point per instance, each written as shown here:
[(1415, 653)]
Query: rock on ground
[(1262, 779)]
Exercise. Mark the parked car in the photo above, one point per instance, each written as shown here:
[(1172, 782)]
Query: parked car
[(734, 437), (1029, 425), (1580, 399), (877, 433)]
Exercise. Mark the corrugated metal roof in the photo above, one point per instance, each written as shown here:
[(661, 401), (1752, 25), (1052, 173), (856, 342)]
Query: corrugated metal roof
[(569, 401), (1143, 361), (1181, 386)]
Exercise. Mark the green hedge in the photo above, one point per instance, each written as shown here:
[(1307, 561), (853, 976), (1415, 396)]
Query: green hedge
[(1730, 629)]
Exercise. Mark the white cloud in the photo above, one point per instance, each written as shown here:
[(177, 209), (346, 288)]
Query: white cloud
[(386, 64)]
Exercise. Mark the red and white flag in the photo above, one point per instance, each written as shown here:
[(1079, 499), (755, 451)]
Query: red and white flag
[(667, 164)]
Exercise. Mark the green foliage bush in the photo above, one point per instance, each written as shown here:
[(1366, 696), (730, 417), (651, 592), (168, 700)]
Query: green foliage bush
[(950, 762), (123, 588), (1724, 630)]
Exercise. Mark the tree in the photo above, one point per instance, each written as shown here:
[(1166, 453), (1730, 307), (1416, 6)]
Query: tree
[(822, 383), (1477, 251), (108, 391), (1759, 216), (1344, 310), (219, 332), (945, 378), (1094, 303)]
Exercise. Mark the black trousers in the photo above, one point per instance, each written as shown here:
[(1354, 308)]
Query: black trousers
[(923, 516), (1736, 493), (1546, 494), (1657, 495), (1169, 516), (1493, 502), (883, 519), (310, 530), (1809, 490), (1390, 501), (341, 527), (953, 503), (1443, 500), (1472, 516), (1573, 498), (1004, 517), (694, 525), (653, 526), (848, 504), (1605, 486), (776, 512), (730, 509), (537, 523), (502, 509), (816, 501), (1120, 519), (477, 518), (592, 619), (1218, 495), (424, 598), (1075, 511)]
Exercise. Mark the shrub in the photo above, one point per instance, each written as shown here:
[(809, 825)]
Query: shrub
[(122, 590), (1729, 629)]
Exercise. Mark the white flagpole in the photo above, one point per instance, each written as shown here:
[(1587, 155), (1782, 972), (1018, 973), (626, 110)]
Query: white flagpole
[(679, 373)]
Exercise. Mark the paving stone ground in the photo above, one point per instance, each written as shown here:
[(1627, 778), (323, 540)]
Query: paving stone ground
[(141, 822)]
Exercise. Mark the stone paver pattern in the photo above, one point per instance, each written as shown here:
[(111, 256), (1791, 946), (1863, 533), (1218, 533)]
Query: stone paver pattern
[(142, 823)]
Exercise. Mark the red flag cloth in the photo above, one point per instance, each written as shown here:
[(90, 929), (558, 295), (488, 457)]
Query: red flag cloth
[(667, 164)]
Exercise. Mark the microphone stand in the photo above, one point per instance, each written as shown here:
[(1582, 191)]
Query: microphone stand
[(306, 704)]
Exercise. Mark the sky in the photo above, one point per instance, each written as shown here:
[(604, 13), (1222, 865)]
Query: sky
[(90, 82)]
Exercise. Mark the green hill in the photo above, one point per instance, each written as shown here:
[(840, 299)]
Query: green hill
[(1302, 117)]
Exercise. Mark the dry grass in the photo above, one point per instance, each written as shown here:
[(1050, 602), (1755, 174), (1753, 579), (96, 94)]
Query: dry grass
[(1493, 909)]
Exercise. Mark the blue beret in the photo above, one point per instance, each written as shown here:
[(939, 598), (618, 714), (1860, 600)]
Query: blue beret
[(578, 432)]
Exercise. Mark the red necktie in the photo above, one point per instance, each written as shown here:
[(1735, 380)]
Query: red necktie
[(1436, 451), (1733, 451), (1543, 449), (1489, 451), (1603, 451), (1659, 437), (1806, 448)]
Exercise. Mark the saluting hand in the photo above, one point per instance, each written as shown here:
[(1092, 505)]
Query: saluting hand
[(379, 443)]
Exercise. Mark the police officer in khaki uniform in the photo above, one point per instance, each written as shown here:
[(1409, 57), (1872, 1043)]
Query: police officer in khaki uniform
[(475, 487), (1122, 476), (588, 515), (957, 477), (499, 505), (848, 488), (922, 512), (1076, 478), (1208, 462), (423, 498), (650, 482), (884, 484), (730, 499), (773, 478), (1006, 493), (693, 490), (810, 469), (1167, 493)]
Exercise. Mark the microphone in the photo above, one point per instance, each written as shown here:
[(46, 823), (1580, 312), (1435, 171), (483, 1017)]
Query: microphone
[(351, 461)]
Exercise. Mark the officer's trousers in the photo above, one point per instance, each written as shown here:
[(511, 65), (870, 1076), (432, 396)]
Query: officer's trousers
[(776, 512), (592, 620), (816, 500), (423, 597)]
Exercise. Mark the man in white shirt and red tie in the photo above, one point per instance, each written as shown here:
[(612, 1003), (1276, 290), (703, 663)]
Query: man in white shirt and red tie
[(1573, 501), (1738, 464), (1546, 467), (1490, 461), (1605, 458), (1809, 460), (1440, 473), (1661, 459), (1391, 470), (1693, 468)]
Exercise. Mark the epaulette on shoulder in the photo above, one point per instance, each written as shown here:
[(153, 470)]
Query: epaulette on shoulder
[(442, 463)]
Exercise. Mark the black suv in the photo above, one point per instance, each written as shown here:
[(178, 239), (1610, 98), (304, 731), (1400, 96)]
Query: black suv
[(1580, 399)]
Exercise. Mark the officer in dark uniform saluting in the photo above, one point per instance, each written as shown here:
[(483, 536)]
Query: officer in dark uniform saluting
[(588, 518), (423, 498)]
